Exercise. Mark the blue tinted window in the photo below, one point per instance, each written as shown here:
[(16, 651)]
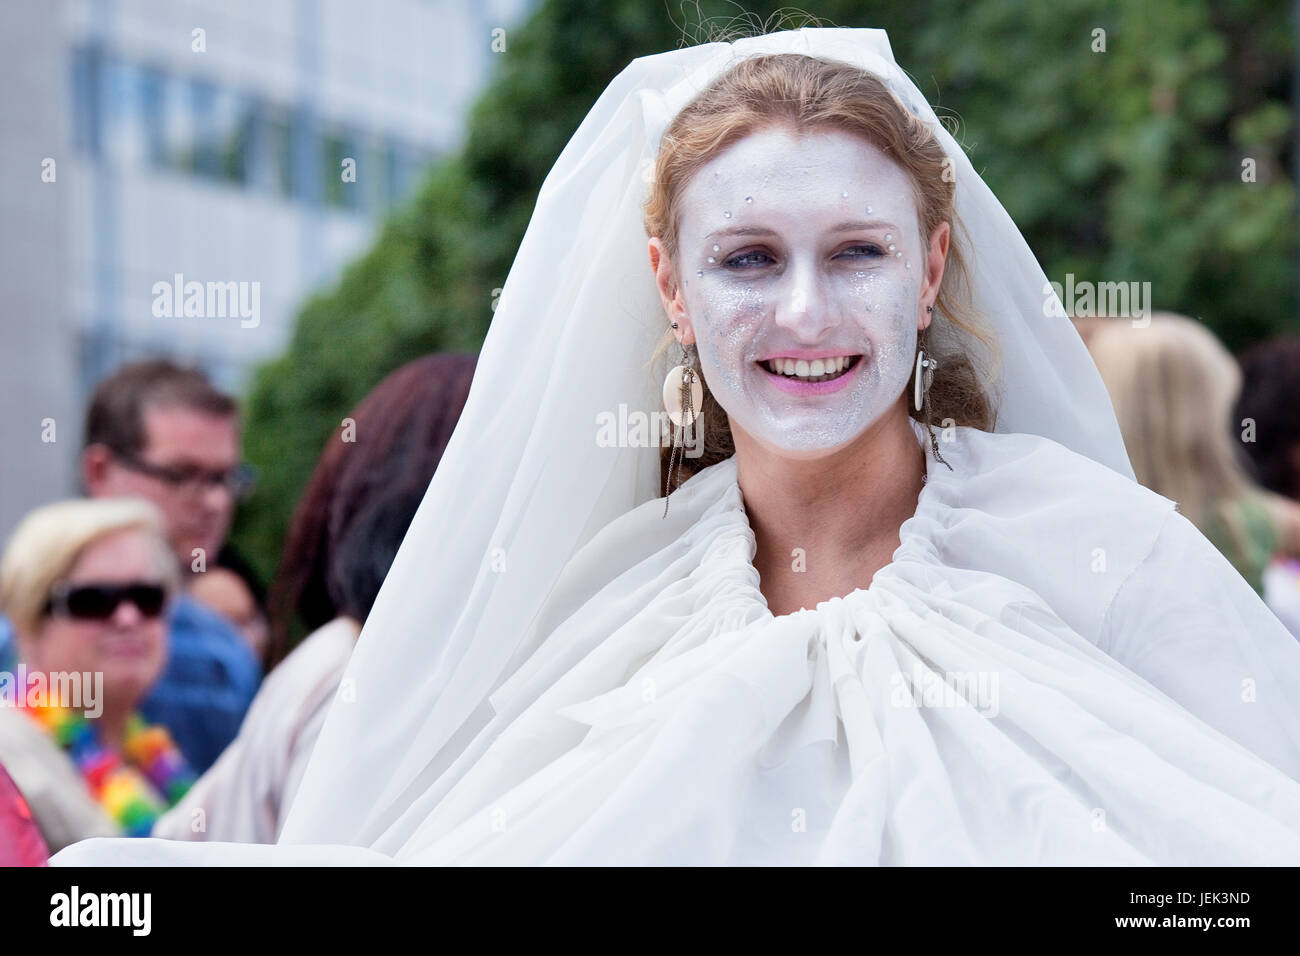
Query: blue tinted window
[(305, 156), (340, 146), (86, 79), (177, 124), (152, 92), (204, 155), (125, 135)]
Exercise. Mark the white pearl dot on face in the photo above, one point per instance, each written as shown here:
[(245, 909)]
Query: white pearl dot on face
[(888, 237), (844, 195), (897, 255), (891, 247), (699, 273), (868, 210), (908, 264), (711, 259), (716, 248), (726, 215), (749, 199)]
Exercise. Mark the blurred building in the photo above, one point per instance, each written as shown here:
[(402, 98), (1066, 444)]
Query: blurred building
[(250, 147)]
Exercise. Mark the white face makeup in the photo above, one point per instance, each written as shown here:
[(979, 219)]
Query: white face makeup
[(802, 263)]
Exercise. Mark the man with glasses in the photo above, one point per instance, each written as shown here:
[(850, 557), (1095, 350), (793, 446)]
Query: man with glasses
[(157, 431)]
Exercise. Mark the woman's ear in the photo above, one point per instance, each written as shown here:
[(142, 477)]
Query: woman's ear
[(935, 260), (670, 292)]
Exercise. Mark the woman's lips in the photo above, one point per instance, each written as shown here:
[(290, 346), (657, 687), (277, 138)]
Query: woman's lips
[(820, 376), (123, 646)]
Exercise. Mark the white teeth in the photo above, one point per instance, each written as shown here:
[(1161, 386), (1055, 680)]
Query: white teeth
[(815, 370)]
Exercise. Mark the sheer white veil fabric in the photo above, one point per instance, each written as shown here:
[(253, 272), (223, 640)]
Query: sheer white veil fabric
[(524, 482)]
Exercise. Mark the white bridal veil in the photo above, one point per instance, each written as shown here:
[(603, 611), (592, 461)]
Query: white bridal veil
[(524, 482)]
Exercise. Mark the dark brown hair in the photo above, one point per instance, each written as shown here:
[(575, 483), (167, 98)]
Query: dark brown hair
[(1270, 396), (401, 430), (805, 94), (115, 416)]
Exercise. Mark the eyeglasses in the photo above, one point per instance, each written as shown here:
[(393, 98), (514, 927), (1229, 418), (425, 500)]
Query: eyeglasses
[(192, 480), (99, 602)]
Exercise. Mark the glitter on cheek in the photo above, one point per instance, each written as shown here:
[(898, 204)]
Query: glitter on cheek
[(891, 336), (731, 318)]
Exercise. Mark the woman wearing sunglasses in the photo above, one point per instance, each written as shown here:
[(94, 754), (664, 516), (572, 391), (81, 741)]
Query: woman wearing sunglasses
[(86, 584)]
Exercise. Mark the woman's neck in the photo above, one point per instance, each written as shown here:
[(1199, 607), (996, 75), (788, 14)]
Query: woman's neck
[(109, 723), (824, 526), (110, 727)]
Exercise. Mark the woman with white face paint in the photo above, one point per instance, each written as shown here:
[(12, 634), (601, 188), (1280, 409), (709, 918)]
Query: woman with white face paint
[(882, 621), (806, 309)]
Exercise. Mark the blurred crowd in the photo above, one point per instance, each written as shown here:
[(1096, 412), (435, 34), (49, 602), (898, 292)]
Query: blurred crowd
[(194, 717), (147, 683), (1218, 436)]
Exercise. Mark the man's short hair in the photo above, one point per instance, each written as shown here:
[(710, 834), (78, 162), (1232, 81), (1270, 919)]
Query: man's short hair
[(116, 414)]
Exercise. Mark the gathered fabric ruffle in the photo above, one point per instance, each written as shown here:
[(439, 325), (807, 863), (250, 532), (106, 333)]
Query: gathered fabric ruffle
[(942, 715)]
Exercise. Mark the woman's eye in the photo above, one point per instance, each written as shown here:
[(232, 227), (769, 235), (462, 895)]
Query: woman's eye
[(862, 251), (748, 260)]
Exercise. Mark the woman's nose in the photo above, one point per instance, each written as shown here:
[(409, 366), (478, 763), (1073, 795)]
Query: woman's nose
[(126, 615), (803, 307)]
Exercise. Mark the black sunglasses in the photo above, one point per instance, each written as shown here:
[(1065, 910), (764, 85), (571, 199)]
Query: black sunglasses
[(98, 602)]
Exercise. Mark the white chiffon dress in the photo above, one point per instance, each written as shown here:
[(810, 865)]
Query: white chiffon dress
[(1055, 668)]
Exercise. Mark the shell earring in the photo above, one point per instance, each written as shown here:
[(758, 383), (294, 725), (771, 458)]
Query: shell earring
[(925, 366), (683, 395)]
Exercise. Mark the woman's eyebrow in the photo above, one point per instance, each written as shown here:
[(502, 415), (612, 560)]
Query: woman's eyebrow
[(740, 231), (847, 226), (856, 224)]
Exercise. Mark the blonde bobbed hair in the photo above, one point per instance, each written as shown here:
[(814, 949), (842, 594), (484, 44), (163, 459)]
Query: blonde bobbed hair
[(46, 544), (1173, 385)]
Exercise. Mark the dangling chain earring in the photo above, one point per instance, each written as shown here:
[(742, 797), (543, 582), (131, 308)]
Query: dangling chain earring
[(683, 395), (924, 377)]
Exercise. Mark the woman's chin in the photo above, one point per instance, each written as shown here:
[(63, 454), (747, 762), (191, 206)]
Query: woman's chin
[(801, 442), (129, 681)]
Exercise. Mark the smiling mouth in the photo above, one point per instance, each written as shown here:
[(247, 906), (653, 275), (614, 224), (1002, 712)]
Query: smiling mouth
[(816, 370)]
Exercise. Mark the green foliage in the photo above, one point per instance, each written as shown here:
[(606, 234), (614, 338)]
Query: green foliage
[(1123, 165)]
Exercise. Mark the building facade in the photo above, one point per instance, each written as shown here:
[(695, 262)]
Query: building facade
[(237, 152)]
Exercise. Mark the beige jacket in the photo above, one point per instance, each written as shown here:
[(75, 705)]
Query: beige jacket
[(61, 804)]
